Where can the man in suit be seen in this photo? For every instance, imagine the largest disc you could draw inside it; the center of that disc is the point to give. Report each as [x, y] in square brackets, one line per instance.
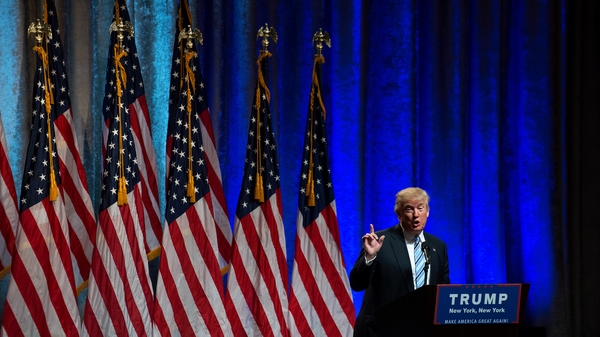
[386, 270]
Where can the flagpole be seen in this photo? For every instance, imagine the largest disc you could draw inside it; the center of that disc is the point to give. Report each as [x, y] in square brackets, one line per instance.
[30, 309]
[319, 37]
[189, 35]
[264, 33]
[319, 275]
[120, 27]
[126, 234]
[257, 287]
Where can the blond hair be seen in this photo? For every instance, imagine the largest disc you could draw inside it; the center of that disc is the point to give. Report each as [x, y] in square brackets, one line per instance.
[410, 193]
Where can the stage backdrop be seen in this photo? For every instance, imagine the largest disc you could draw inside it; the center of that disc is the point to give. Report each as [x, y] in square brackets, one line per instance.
[465, 99]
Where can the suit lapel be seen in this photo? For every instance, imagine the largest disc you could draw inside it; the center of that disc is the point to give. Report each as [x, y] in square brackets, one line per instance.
[401, 253]
[434, 260]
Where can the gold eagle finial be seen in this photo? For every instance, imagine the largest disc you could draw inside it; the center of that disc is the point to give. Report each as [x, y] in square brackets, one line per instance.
[321, 37]
[39, 29]
[264, 33]
[120, 28]
[189, 34]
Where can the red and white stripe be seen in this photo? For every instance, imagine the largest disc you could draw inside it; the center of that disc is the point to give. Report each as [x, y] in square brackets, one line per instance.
[221, 216]
[9, 214]
[146, 161]
[320, 297]
[41, 297]
[215, 181]
[189, 292]
[74, 189]
[257, 283]
[120, 299]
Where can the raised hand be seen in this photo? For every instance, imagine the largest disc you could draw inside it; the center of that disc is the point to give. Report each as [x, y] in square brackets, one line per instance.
[372, 244]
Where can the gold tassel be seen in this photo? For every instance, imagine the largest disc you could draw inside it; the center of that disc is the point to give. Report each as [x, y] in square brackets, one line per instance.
[310, 187]
[53, 187]
[259, 191]
[191, 192]
[122, 194]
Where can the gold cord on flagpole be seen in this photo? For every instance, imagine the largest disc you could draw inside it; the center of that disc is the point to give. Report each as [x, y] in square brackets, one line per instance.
[117, 14]
[265, 33]
[189, 34]
[259, 191]
[40, 30]
[310, 185]
[46, 11]
[320, 37]
[122, 192]
[49, 99]
[181, 30]
[191, 79]
[119, 26]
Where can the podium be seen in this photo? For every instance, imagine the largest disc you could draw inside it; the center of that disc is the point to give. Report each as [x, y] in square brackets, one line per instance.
[427, 311]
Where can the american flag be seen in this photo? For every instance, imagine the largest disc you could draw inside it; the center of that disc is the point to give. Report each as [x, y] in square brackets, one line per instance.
[178, 69]
[120, 299]
[41, 297]
[320, 297]
[258, 282]
[142, 135]
[74, 188]
[9, 214]
[189, 293]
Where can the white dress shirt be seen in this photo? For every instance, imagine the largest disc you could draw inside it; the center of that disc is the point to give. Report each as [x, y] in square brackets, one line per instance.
[410, 246]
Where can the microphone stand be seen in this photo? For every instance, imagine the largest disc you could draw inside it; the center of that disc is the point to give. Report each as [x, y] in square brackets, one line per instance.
[425, 248]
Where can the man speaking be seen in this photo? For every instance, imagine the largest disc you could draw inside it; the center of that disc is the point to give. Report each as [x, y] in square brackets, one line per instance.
[393, 261]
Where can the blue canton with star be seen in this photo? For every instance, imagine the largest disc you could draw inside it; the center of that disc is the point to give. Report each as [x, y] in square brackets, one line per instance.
[268, 153]
[321, 171]
[36, 175]
[135, 85]
[177, 201]
[58, 74]
[178, 73]
[36, 179]
[130, 91]
[110, 174]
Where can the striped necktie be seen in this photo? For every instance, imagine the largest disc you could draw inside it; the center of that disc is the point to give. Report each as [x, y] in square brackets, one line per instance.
[419, 263]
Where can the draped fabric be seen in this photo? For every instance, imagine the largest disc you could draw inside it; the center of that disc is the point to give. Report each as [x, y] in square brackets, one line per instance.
[490, 106]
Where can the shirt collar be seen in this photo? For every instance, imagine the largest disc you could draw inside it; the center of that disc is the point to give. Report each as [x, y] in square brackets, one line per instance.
[410, 239]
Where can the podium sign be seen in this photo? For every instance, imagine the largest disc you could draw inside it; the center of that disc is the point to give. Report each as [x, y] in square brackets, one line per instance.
[478, 304]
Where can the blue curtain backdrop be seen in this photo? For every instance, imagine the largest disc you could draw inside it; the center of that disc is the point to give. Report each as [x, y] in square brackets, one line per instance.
[466, 99]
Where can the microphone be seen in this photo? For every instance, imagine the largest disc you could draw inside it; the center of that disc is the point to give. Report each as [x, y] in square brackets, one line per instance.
[426, 249]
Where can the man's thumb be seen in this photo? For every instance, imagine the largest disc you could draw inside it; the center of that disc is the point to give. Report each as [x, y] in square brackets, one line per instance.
[381, 239]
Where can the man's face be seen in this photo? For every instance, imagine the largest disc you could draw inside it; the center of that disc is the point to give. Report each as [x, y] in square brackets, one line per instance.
[414, 217]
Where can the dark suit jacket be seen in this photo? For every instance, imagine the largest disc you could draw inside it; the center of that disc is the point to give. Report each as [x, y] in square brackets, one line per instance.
[389, 277]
